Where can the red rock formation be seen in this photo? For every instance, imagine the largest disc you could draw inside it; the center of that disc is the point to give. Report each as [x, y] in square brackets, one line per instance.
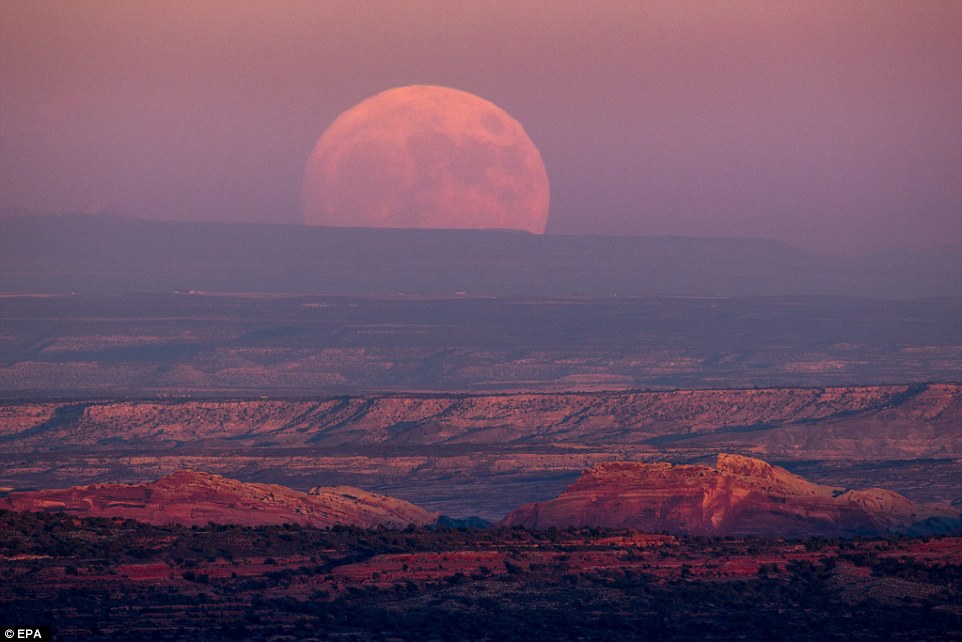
[740, 496]
[191, 498]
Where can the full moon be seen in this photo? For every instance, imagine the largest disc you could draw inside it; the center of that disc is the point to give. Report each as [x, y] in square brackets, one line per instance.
[426, 157]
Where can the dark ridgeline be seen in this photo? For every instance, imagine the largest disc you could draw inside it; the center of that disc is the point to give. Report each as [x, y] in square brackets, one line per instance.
[101, 254]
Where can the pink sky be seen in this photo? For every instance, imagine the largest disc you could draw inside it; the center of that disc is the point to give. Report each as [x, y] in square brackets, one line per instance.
[833, 125]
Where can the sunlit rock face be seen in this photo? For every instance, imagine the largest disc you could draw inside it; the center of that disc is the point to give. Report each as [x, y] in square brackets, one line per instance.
[192, 498]
[739, 496]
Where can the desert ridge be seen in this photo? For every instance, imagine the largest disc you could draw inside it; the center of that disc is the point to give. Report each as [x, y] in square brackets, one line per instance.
[739, 496]
[908, 421]
[191, 498]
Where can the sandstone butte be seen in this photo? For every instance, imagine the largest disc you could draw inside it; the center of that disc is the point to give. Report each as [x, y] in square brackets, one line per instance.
[193, 498]
[739, 496]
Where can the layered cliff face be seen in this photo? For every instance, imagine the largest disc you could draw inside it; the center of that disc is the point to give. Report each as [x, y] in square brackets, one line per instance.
[192, 498]
[739, 496]
[488, 454]
[900, 421]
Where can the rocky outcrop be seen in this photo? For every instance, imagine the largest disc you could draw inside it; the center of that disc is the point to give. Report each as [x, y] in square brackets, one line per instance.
[193, 498]
[739, 496]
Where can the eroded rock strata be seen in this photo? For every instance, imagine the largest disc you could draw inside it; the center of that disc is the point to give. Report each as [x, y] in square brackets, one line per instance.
[738, 496]
[901, 421]
[192, 498]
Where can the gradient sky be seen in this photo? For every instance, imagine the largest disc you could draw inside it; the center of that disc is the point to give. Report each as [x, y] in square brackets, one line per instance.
[833, 125]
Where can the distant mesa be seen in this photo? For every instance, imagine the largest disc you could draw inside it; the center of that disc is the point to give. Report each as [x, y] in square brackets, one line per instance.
[90, 254]
[193, 498]
[739, 496]
[852, 421]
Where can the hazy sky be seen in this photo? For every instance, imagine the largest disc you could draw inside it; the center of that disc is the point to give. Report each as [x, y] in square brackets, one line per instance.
[834, 125]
